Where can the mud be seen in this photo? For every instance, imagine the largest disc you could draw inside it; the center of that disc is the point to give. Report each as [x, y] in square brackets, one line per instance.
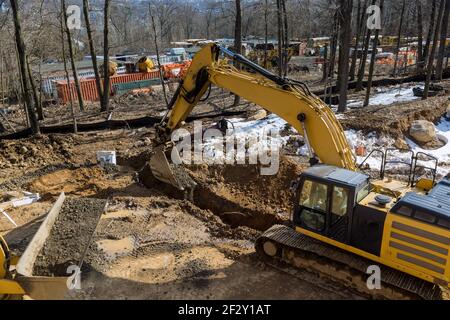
[69, 237]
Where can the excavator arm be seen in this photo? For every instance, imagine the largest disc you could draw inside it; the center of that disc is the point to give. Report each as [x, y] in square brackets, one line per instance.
[289, 99]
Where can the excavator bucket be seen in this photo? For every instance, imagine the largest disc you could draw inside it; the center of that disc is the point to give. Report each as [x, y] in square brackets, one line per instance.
[162, 169]
[42, 287]
[170, 173]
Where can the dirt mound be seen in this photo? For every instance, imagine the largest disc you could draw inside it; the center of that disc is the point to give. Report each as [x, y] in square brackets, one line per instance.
[238, 194]
[394, 120]
[39, 150]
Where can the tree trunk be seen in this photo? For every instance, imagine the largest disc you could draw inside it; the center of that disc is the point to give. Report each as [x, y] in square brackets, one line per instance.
[399, 34]
[238, 40]
[2, 72]
[72, 58]
[285, 39]
[34, 91]
[372, 60]
[325, 64]
[107, 79]
[98, 80]
[266, 32]
[419, 36]
[280, 38]
[433, 51]
[440, 61]
[155, 42]
[333, 45]
[66, 71]
[19, 92]
[346, 8]
[426, 50]
[21, 52]
[362, 67]
[359, 27]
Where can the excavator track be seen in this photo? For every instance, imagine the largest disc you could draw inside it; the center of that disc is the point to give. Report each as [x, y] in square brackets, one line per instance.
[282, 243]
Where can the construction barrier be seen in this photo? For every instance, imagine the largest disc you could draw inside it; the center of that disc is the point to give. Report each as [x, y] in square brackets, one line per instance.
[89, 88]
[175, 70]
[122, 88]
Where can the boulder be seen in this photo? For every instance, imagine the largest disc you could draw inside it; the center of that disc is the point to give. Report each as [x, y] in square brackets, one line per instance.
[448, 112]
[260, 114]
[422, 131]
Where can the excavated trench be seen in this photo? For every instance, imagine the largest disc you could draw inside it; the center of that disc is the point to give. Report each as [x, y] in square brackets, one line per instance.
[238, 194]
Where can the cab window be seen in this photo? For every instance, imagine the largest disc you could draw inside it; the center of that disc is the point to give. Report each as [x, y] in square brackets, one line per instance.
[364, 192]
[313, 202]
[339, 203]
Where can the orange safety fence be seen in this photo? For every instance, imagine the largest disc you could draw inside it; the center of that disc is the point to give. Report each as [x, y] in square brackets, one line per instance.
[175, 70]
[89, 89]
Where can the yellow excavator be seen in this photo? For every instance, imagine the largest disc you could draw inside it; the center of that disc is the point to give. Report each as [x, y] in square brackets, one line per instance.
[345, 225]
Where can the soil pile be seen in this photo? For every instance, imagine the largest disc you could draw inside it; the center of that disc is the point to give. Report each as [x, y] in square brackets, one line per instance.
[39, 150]
[394, 121]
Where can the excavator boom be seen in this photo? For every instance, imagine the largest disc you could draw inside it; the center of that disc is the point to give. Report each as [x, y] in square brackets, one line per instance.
[290, 100]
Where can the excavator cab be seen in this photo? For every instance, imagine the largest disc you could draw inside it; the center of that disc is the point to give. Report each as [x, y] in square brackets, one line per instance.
[326, 200]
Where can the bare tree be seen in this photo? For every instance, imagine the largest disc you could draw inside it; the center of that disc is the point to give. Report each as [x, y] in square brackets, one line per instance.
[72, 56]
[419, 35]
[426, 49]
[399, 35]
[21, 52]
[333, 45]
[280, 38]
[359, 29]
[362, 67]
[266, 31]
[372, 61]
[442, 46]
[238, 38]
[155, 40]
[34, 91]
[431, 56]
[92, 51]
[285, 38]
[345, 14]
[107, 79]
[66, 72]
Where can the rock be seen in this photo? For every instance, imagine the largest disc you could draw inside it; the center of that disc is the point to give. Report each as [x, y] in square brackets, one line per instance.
[23, 150]
[260, 114]
[448, 112]
[13, 160]
[401, 144]
[422, 131]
